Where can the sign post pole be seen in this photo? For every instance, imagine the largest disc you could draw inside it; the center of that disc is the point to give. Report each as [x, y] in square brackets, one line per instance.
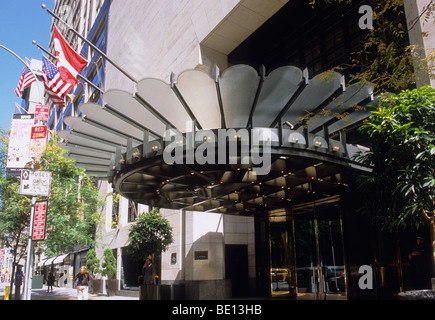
[34, 183]
[29, 261]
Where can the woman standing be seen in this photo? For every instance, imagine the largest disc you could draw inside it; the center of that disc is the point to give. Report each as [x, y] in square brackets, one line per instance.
[82, 279]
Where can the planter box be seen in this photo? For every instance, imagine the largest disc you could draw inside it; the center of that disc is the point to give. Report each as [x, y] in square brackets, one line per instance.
[112, 286]
[149, 292]
[96, 285]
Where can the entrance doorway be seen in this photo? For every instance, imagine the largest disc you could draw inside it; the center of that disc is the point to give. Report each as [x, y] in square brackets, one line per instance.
[320, 266]
[307, 258]
[236, 269]
[130, 272]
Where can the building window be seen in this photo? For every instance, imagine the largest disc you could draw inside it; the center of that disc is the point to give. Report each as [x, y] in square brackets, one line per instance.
[132, 211]
[313, 56]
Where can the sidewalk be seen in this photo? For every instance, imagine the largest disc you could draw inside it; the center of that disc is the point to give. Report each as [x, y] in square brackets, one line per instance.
[62, 293]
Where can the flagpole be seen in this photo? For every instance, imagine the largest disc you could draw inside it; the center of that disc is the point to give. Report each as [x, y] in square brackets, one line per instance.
[41, 96]
[79, 75]
[20, 108]
[90, 44]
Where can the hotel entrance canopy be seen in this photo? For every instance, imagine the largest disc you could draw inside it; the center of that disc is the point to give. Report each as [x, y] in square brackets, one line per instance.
[301, 120]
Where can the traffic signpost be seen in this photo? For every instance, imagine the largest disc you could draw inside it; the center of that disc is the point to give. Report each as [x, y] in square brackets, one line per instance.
[35, 184]
[18, 160]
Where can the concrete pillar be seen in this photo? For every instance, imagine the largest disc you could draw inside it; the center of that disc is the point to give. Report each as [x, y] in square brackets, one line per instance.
[421, 29]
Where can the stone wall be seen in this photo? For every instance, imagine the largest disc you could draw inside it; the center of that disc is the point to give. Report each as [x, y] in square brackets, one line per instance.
[155, 38]
[421, 29]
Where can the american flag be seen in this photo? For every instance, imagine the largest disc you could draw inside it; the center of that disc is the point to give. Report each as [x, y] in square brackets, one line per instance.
[27, 78]
[56, 88]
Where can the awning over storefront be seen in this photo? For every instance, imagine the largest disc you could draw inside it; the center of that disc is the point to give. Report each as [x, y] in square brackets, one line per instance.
[41, 263]
[56, 260]
[60, 259]
[49, 262]
[304, 119]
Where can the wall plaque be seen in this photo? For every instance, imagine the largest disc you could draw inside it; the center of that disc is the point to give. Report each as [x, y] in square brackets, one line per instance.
[201, 255]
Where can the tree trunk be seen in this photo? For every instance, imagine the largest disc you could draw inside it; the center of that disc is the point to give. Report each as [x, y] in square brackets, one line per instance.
[153, 256]
[14, 265]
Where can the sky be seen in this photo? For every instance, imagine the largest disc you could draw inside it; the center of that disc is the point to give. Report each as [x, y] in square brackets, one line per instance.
[21, 22]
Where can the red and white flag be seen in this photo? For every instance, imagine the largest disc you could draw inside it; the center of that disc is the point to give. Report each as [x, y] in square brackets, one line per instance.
[69, 63]
[56, 88]
[27, 78]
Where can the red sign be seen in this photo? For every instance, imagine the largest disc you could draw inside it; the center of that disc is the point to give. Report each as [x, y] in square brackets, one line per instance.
[39, 132]
[39, 221]
[38, 141]
[42, 112]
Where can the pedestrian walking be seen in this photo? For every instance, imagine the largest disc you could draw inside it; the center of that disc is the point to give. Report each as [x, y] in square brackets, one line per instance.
[82, 279]
[147, 271]
[420, 274]
[148, 280]
[50, 282]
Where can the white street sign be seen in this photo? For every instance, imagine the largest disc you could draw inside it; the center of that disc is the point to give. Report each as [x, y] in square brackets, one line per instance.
[35, 183]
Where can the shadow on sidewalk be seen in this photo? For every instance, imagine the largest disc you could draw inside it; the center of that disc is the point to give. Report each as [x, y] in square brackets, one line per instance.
[63, 293]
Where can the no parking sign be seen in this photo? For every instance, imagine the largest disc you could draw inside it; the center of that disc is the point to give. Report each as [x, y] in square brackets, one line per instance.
[39, 220]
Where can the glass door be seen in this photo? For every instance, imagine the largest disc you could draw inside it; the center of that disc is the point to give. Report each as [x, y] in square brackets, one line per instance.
[307, 275]
[320, 271]
[331, 253]
[281, 245]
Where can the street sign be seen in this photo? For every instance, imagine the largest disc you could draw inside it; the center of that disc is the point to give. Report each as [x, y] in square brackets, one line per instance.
[39, 221]
[38, 141]
[35, 183]
[19, 141]
[42, 112]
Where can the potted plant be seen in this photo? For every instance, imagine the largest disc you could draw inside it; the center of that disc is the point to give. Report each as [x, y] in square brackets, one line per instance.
[93, 267]
[109, 270]
[148, 237]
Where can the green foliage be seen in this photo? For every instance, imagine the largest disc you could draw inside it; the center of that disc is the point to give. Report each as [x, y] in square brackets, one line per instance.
[14, 208]
[15, 212]
[109, 264]
[401, 190]
[73, 204]
[386, 59]
[92, 262]
[151, 234]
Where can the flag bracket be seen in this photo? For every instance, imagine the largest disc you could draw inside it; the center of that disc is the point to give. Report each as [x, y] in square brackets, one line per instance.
[90, 44]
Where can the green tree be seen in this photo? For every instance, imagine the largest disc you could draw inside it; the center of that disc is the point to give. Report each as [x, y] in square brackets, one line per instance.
[14, 209]
[401, 190]
[150, 235]
[386, 59]
[109, 264]
[14, 217]
[92, 262]
[73, 204]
